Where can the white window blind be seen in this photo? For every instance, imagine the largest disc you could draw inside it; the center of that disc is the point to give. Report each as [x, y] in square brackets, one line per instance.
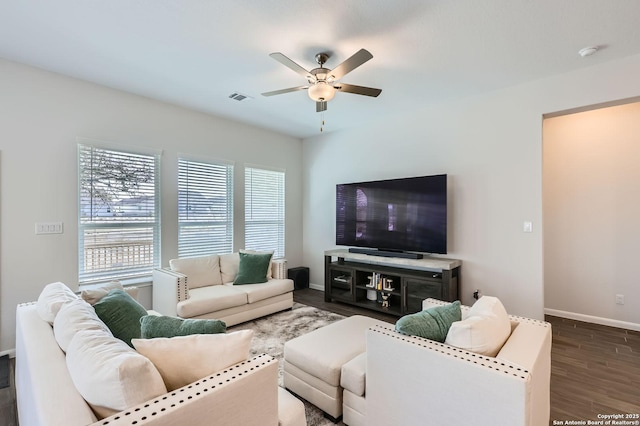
[264, 210]
[205, 208]
[119, 220]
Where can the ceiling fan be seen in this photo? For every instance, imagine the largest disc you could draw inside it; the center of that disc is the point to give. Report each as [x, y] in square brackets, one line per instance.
[323, 82]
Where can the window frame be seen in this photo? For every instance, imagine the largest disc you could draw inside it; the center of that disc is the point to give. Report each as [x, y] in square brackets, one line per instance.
[192, 250]
[133, 272]
[279, 246]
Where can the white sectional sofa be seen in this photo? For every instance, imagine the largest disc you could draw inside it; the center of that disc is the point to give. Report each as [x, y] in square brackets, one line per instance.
[245, 393]
[416, 381]
[202, 287]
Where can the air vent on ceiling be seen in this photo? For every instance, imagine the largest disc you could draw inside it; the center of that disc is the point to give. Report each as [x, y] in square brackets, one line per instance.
[240, 97]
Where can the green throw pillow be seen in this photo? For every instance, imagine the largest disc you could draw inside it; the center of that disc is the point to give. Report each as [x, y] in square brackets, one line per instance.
[121, 313]
[152, 326]
[253, 268]
[432, 323]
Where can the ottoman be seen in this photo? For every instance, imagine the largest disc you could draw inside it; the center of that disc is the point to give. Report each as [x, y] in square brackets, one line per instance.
[313, 362]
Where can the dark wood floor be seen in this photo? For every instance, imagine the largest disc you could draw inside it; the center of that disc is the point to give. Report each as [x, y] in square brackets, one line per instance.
[594, 369]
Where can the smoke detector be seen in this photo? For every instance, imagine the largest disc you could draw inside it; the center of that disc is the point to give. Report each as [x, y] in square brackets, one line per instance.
[587, 51]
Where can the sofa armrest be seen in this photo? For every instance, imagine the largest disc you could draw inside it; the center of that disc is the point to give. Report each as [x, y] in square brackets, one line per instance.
[279, 269]
[410, 379]
[169, 288]
[244, 394]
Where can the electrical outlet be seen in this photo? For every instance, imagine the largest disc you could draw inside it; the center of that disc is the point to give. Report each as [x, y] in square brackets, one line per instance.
[476, 294]
[619, 299]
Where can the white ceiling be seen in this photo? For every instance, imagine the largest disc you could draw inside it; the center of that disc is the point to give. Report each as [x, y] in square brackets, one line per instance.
[195, 53]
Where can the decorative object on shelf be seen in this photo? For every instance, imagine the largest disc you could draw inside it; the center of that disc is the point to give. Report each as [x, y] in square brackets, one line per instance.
[370, 284]
[385, 300]
[387, 284]
[372, 295]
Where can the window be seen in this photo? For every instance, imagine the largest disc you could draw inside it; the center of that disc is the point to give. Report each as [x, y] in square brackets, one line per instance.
[205, 207]
[119, 220]
[264, 210]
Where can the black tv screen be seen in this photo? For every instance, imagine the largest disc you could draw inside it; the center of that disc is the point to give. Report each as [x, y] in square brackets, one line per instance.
[407, 214]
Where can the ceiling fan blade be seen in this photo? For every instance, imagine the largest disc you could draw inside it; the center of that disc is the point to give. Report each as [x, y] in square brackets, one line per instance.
[358, 58]
[321, 106]
[358, 90]
[281, 91]
[291, 65]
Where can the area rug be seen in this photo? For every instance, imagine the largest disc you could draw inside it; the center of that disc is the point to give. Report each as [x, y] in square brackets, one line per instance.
[271, 333]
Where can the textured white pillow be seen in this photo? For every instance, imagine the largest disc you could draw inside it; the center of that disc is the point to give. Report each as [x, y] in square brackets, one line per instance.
[94, 295]
[75, 316]
[200, 271]
[182, 360]
[229, 265]
[269, 273]
[51, 299]
[109, 374]
[485, 329]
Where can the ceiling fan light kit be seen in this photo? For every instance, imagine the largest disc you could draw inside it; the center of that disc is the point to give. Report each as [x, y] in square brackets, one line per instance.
[323, 81]
[321, 91]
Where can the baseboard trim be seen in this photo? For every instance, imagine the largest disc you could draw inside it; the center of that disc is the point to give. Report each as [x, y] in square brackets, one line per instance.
[593, 319]
[10, 352]
[316, 287]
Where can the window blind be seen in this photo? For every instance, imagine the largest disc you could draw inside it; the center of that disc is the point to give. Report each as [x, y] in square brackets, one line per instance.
[205, 208]
[264, 210]
[119, 220]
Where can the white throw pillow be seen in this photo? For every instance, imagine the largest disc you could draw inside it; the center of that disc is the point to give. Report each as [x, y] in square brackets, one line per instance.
[51, 299]
[182, 360]
[485, 329]
[269, 272]
[200, 271]
[109, 374]
[75, 316]
[229, 265]
[94, 295]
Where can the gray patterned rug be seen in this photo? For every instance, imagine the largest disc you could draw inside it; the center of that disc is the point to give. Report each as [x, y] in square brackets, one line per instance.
[271, 333]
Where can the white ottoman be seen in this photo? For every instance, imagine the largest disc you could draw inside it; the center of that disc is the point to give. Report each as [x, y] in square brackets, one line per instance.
[290, 410]
[313, 362]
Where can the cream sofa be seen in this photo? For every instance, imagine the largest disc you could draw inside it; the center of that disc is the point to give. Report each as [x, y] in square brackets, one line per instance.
[202, 287]
[414, 381]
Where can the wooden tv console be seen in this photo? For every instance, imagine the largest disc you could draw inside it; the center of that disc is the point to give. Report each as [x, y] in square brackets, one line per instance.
[348, 278]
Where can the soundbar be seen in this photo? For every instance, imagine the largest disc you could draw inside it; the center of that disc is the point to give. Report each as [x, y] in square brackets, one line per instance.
[386, 253]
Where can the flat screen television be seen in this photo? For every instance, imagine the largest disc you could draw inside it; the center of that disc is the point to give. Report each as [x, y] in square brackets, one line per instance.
[395, 215]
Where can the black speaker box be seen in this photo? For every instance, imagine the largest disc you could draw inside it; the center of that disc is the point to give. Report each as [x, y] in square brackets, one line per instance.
[300, 277]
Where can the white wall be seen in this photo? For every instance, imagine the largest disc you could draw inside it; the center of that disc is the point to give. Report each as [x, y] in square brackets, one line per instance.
[591, 191]
[42, 114]
[491, 148]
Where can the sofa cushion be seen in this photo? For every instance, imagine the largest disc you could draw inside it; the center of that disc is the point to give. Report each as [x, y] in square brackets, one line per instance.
[121, 313]
[353, 375]
[51, 299]
[110, 375]
[229, 264]
[209, 299]
[252, 268]
[432, 323]
[484, 330]
[93, 295]
[200, 271]
[162, 326]
[75, 316]
[257, 292]
[182, 360]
